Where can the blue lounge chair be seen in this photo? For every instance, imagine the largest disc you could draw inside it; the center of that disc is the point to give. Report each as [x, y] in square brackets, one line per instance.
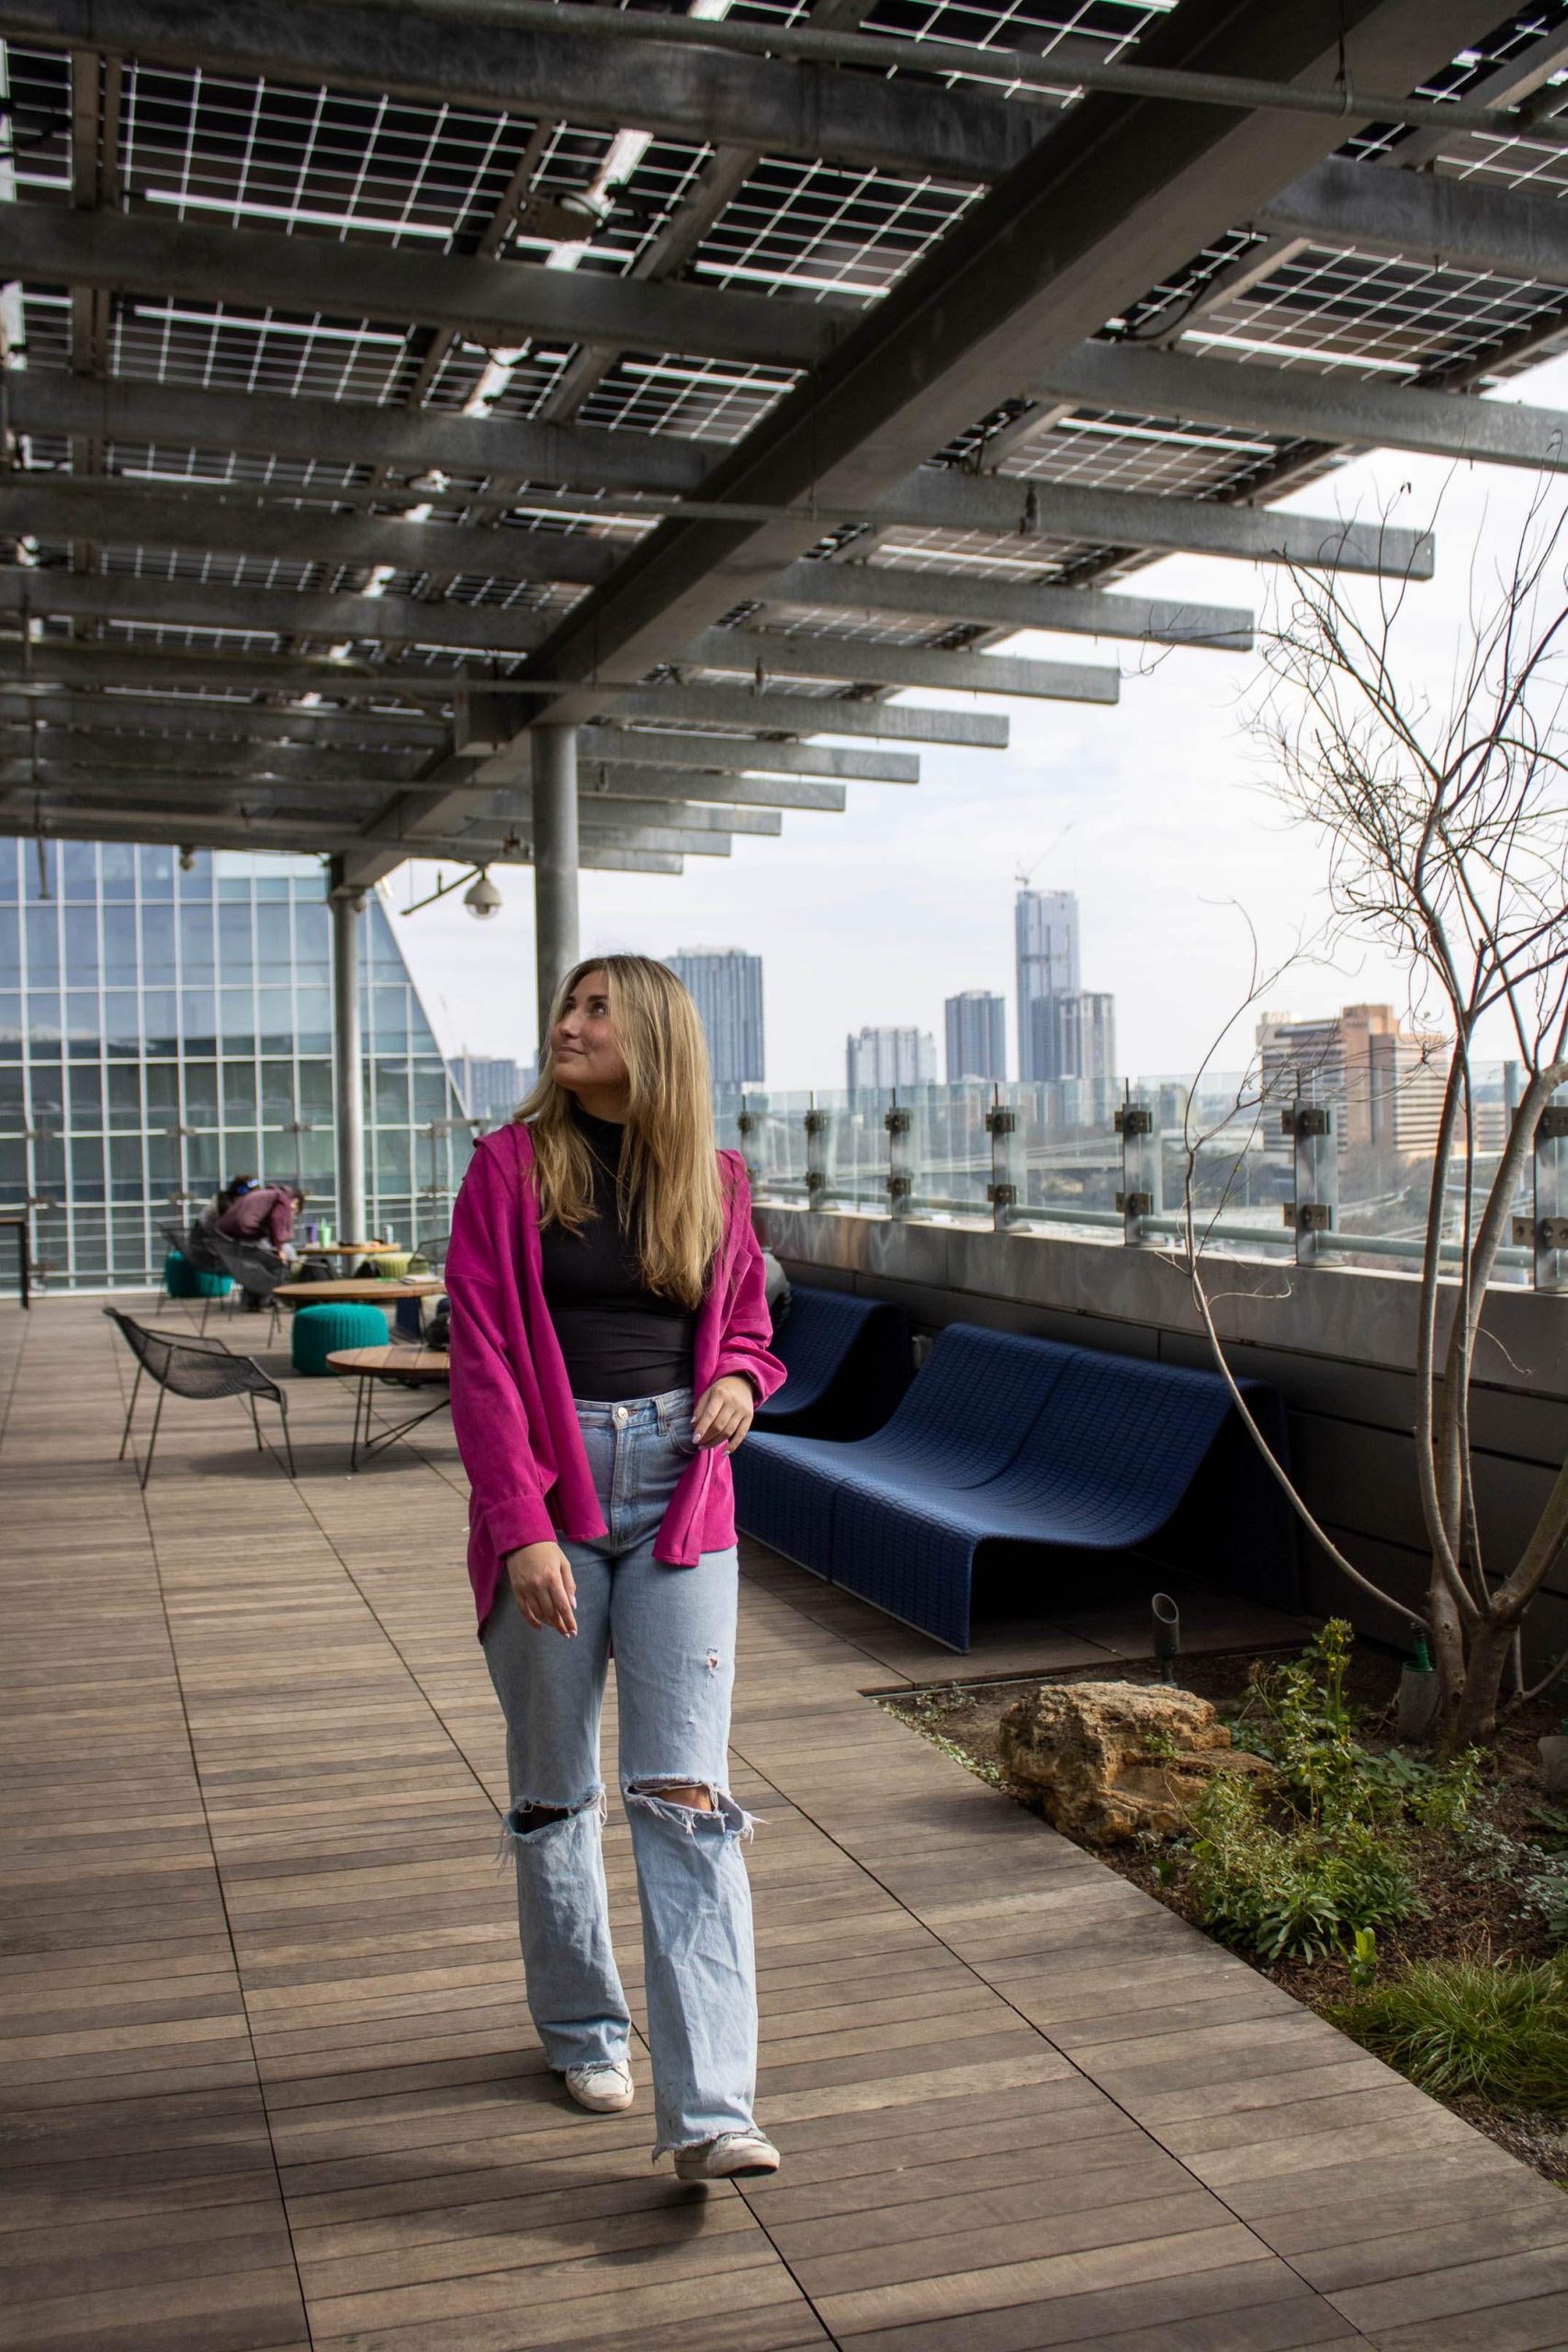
[848, 1364]
[1113, 1453]
[961, 1423]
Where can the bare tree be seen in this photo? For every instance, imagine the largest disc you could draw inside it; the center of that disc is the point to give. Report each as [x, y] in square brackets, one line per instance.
[1447, 828]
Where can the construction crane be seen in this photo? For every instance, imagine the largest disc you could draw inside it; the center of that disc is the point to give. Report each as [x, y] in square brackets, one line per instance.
[1023, 879]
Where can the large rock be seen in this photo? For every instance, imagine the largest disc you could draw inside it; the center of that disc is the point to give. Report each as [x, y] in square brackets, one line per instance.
[1109, 1760]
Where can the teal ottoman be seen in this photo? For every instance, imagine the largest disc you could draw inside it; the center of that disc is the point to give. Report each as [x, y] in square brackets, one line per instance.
[181, 1280]
[320, 1331]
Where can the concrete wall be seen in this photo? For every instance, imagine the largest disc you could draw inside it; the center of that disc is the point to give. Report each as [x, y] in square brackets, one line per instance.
[1340, 1345]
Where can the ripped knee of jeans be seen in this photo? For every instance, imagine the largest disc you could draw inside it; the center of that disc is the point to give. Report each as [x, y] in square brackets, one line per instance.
[672, 1798]
[533, 1818]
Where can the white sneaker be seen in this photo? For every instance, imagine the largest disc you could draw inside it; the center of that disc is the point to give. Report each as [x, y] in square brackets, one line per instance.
[735, 2155]
[604, 2088]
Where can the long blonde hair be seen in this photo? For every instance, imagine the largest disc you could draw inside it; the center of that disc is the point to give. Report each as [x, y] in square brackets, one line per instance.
[668, 1176]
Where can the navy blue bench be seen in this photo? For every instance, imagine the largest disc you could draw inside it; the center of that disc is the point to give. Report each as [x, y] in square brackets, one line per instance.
[1012, 1441]
[848, 1364]
[969, 1411]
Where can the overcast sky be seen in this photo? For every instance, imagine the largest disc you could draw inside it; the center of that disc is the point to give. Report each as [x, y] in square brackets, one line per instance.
[1155, 811]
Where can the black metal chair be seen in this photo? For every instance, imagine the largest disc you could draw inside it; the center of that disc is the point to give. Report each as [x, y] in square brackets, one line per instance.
[434, 1252]
[184, 1364]
[176, 1240]
[197, 1247]
[256, 1272]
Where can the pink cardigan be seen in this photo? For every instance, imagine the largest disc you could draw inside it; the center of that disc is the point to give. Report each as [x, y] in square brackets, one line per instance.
[512, 1402]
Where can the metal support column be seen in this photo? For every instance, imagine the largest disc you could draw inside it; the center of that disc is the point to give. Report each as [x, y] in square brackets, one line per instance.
[555, 930]
[347, 1064]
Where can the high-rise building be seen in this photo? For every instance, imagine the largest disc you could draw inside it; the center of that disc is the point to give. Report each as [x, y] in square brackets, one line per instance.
[1065, 1031]
[881, 1059]
[163, 1028]
[492, 1089]
[1385, 1081]
[1046, 925]
[727, 986]
[977, 1035]
[1081, 1036]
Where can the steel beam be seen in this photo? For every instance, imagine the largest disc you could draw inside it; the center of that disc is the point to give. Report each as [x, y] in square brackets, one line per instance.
[120, 514]
[494, 303]
[1116, 196]
[1016, 507]
[192, 604]
[225, 672]
[1294, 405]
[606, 811]
[1458, 225]
[805, 654]
[803, 714]
[353, 433]
[302, 839]
[142, 718]
[268, 764]
[944, 595]
[715, 754]
[331, 821]
[598, 779]
[617, 796]
[915, 129]
[934, 498]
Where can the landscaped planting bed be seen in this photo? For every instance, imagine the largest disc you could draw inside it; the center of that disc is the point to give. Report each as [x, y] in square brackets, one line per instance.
[1423, 1907]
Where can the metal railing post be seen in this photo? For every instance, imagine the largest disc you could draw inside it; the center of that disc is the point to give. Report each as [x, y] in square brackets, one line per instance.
[1317, 1166]
[746, 1127]
[899, 1181]
[1546, 1233]
[1004, 1191]
[816, 1124]
[1141, 1194]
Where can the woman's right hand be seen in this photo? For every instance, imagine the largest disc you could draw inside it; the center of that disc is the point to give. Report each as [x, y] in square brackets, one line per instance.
[543, 1586]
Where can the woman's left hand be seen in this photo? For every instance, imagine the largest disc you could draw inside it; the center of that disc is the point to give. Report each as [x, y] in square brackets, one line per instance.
[723, 1413]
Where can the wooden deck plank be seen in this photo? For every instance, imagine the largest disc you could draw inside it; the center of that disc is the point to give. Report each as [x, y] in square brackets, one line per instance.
[1021, 2105]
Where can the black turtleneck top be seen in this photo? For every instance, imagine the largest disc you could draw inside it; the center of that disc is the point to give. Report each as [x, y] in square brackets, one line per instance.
[619, 1338]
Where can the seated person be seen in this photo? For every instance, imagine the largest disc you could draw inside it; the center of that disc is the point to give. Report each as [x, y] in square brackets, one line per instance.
[263, 1213]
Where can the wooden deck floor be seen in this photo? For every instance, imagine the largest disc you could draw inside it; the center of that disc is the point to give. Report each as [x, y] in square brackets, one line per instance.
[268, 2078]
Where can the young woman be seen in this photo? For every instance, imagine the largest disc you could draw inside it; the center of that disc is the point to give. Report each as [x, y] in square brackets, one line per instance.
[609, 1347]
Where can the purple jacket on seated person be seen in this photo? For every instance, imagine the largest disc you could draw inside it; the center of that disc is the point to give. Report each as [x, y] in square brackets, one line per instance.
[263, 1213]
[512, 1402]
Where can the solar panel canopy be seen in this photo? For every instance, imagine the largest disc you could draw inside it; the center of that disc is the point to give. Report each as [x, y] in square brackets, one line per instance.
[394, 394]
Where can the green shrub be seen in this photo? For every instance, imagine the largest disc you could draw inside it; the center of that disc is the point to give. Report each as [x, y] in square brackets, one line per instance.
[1297, 1715]
[1296, 1889]
[1471, 2025]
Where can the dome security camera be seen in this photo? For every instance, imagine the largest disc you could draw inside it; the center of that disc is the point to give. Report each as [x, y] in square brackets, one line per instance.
[482, 898]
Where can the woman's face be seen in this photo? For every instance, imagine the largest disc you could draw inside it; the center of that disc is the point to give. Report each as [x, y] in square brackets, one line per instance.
[583, 1052]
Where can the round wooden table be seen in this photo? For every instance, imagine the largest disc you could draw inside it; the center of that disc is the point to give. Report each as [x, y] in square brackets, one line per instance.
[367, 1290]
[421, 1367]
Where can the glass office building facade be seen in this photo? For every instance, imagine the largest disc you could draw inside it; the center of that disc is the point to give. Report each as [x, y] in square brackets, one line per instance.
[162, 1029]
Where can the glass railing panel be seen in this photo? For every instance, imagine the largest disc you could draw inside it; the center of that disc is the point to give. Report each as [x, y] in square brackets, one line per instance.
[1068, 1158]
[1220, 1139]
[855, 1144]
[950, 1149]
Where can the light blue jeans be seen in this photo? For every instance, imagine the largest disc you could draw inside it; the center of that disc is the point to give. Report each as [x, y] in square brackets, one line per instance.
[673, 1636]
